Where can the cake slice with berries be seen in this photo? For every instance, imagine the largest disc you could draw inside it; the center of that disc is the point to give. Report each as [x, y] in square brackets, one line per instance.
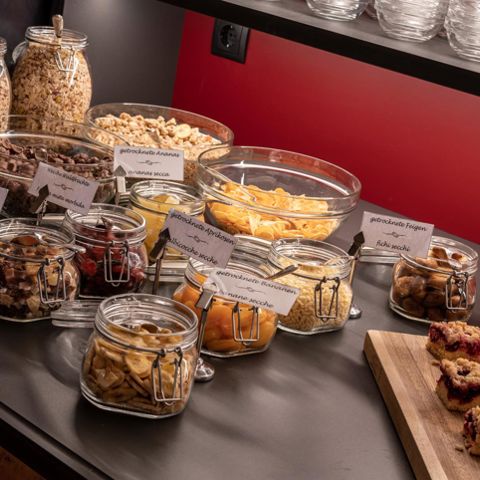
[459, 385]
[454, 340]
[471, 431]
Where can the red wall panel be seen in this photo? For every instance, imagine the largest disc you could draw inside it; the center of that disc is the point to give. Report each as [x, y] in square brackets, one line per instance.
[414, 145]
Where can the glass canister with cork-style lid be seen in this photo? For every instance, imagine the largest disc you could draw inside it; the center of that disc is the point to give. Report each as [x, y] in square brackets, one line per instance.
[141, 357]
[323, 276]
[51, 77]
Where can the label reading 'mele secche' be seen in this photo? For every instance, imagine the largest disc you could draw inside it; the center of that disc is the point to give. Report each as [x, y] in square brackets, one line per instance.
[149, 162]
[245, 288]
[396, 234]
[65, 189]
[199, 240]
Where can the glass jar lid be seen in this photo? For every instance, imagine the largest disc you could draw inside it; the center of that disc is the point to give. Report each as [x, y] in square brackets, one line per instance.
[46, 36]
[104, 224]
[22, 239]
[446, 255]
[315, 259]
[159, 196]
[3, 46]
[147, 322]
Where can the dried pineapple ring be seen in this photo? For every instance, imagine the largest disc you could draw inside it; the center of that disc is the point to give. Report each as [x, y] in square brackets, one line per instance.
[183, 131]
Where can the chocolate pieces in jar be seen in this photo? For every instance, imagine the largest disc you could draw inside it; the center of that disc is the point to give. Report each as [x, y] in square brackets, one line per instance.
[36, 270]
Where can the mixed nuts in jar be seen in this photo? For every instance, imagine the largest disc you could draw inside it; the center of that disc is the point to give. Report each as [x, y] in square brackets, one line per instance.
[441, 287]
[141, 357]
[37, 272]
[115, 257]
[323, 278]
[231, 328]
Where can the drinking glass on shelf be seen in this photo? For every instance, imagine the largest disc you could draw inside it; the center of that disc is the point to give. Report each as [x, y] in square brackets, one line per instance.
[337, 9]
[463, 28]
[412, 20]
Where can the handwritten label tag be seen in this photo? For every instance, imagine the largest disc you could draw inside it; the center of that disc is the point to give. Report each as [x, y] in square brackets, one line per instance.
[396, 234]
[3, 196]
[66, 189]
[245, 288]
[149, 162]
[198, 240]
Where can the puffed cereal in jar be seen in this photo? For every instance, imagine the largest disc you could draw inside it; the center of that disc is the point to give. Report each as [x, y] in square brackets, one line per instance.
[51, 77]
[141, 358]
[323, 277]
[231, 328]
[5, 87]
[153, 199]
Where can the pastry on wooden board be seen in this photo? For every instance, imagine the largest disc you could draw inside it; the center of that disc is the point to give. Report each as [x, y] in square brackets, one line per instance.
[471, 431]
[454, 340]
[459, 385]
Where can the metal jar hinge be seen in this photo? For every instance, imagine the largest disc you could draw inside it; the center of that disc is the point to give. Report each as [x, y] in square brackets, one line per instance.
[70, 64]
[457, 286]
[60, 294]
[159, 394]
[254, 334]
[124, 275]
[319, 301]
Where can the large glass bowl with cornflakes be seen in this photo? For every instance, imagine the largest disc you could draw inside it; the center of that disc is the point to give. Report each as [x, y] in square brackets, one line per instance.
[274, 194]
[154, 126]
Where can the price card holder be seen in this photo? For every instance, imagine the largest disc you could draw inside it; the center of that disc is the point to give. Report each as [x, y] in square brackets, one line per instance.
[156, 255]
[354, 251]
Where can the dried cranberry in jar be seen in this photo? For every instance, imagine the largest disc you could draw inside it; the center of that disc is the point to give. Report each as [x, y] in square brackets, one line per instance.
[115, 257]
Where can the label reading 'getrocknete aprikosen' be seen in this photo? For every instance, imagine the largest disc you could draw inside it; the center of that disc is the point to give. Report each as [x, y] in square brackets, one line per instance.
[149, 162]
[245, 288]
[396, 234]
[65, 189]
[199, 240]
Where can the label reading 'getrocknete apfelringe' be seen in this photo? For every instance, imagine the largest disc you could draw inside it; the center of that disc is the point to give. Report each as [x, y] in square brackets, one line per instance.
[149, 162]
[65, 189]
[396, 234]
[245, 288]
[199, 240]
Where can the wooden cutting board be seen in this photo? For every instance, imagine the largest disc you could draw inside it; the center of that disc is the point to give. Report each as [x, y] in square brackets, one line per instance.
[429, 432]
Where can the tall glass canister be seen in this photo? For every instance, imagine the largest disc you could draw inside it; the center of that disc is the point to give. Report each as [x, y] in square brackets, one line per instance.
[52, 77]
[5, 87]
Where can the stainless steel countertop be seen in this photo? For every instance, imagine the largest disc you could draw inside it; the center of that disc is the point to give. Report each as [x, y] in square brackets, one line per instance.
[308, 408]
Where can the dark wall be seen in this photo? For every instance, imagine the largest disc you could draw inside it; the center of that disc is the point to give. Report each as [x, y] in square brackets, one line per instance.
[17, 15]
[133, 50]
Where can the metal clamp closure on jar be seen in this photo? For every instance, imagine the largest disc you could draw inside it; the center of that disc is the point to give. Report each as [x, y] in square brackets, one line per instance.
[458, 280]
[319, 299]
[61, 291]
[124, 275]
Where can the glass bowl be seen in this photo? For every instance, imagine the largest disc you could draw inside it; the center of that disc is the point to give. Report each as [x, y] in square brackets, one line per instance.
[273, 194]
[155, 126]
[73, 147]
